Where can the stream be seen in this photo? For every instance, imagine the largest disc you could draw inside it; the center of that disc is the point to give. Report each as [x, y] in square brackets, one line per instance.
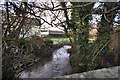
[58, 66]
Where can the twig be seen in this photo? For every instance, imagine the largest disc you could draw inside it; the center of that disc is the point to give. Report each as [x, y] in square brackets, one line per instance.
[105, 10]
[86, 16]
[115, 8]
[101, 50]
[63, 8]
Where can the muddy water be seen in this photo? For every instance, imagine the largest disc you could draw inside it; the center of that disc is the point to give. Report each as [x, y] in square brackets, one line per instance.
[58, 66]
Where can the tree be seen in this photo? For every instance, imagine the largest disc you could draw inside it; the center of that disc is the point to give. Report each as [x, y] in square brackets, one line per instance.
[89, 54]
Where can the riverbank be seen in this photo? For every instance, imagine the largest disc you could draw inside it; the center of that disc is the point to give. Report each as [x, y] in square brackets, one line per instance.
[59, 65]
[44, 59]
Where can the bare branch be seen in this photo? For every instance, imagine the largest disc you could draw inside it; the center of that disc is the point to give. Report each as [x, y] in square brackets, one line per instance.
[101, 50]
[105, 10]
[86, 16]
[115, 8]
[31, 14]
[52, 4]
[63, 8]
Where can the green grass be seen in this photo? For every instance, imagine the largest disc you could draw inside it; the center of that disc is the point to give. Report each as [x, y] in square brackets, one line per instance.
[91, 40]
[60, 40]
[65, 40]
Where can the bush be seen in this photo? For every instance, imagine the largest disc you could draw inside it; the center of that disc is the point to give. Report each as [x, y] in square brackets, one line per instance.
[42, 51]
[23, 53]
